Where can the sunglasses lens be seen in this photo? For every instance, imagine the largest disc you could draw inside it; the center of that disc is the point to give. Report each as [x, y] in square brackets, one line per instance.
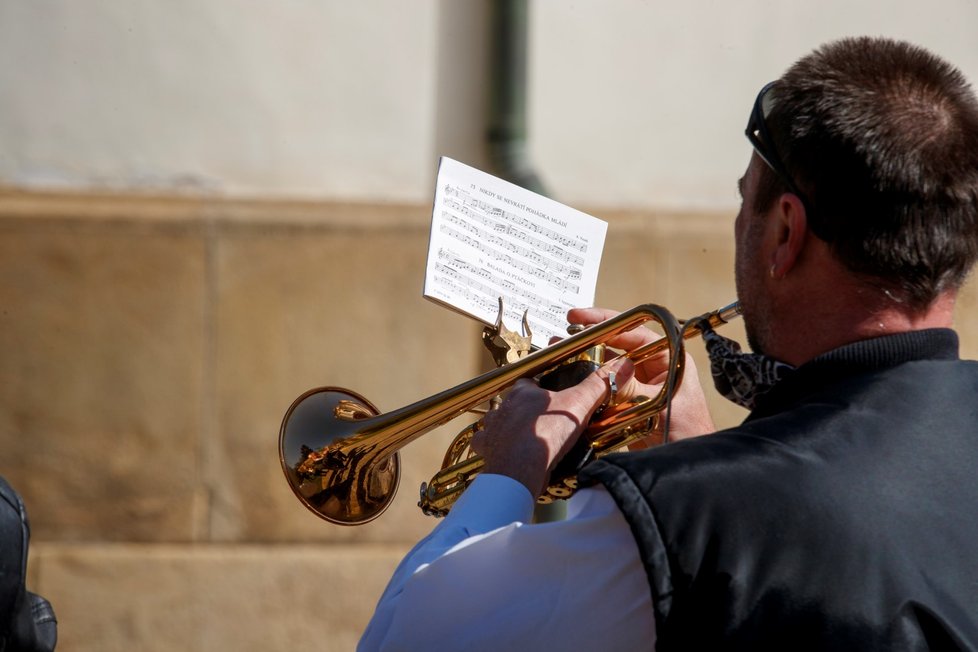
[759, 137]
[767, 102]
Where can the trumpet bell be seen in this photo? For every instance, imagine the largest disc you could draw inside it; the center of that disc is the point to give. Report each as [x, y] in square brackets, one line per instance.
[331, 485]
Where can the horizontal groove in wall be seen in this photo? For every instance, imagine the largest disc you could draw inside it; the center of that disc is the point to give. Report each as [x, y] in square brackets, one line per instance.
[154, 212]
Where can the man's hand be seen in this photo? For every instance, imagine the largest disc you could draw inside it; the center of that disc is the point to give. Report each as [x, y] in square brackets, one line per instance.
[689, 415]
[534, 428]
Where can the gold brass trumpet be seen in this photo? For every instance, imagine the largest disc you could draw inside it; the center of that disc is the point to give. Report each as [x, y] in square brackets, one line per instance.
[340, 454]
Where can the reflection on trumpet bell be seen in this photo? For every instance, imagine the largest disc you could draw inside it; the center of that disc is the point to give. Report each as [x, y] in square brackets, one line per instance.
[329, 479]
[340, 455]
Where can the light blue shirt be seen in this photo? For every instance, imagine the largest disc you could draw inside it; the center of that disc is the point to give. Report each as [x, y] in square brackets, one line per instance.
[487, 579]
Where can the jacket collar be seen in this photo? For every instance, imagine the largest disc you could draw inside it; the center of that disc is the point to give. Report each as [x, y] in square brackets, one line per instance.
[855, 359]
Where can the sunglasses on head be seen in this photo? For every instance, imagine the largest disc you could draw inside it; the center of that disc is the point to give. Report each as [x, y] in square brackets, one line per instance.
[760, 139]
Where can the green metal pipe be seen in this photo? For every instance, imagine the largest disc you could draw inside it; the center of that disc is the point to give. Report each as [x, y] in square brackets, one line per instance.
[506, 135]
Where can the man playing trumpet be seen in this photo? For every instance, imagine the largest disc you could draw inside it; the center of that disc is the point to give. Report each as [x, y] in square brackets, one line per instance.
[841, 513]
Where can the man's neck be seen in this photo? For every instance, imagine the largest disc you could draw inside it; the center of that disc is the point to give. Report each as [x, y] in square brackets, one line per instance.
[837, 317]
[891, 319]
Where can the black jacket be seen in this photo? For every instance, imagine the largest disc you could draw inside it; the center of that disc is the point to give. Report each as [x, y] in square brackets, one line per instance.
[27, 622]
[841, 515]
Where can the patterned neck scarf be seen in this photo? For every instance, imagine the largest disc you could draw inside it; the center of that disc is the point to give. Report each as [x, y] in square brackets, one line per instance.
[741, 377]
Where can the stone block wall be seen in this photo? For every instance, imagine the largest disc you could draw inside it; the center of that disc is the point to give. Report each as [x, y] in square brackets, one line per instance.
[148, 350]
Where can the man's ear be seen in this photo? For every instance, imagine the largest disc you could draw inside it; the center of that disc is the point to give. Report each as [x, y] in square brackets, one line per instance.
[791, 229]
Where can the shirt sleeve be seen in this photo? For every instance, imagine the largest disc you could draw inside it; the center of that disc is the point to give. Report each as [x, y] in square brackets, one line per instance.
[486, 579]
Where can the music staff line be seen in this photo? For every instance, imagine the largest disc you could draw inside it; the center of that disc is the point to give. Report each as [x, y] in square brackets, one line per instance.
[474, 270]
[514, 231]
[486, 309]
[489, 211]
[498, 227]
[571, 266]
[486, 296]
[561, 284]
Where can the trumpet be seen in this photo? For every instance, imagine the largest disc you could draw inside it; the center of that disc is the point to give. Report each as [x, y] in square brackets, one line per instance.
[340, 454]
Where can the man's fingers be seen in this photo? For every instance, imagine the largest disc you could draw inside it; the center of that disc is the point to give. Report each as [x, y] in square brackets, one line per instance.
[608, 384]
[626, 341]
[633, 339]
[589, 315]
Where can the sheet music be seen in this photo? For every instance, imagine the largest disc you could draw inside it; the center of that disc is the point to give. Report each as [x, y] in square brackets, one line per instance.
[491, 238]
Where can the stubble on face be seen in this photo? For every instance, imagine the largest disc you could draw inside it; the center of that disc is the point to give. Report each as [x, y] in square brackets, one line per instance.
[749, 268]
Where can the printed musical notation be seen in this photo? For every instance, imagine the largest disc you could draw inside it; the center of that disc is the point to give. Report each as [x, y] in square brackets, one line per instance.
[558, 280]
[539, 314]
[497, 218]
[492, 239]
